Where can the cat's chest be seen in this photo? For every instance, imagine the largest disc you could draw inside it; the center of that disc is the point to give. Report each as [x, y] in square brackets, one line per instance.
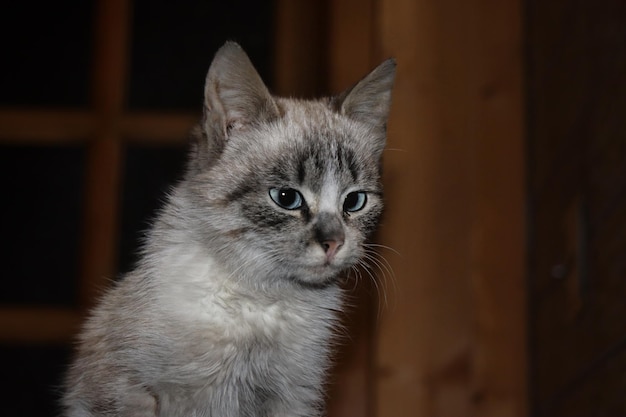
[250, 343]
[238, 317]
[198, 295]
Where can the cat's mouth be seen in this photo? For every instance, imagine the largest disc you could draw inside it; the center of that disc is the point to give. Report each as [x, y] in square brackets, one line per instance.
[320, 274]
[321, 277]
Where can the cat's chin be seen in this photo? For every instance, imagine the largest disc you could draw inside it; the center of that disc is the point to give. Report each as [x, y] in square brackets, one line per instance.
[317, 282]
[317, 276]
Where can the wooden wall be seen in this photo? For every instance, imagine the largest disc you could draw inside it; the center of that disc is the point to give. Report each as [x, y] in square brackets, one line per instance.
[577, 136]
[453, 340]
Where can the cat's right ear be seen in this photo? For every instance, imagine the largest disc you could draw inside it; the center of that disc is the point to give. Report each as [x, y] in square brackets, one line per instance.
[235, 96]
[370, 99]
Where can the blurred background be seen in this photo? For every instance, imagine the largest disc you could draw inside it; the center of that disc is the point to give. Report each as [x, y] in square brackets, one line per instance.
[505, 181]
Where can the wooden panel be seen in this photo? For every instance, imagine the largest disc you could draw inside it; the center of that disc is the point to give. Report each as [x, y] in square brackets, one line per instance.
[577, 95]
[424, 336]
[45, 126]
[101, 218]
[300, 48]
[453, 341]
[499, 223]
[37, 325]
[104, 160]
[351, 46]
[155, 128]
[70, 126]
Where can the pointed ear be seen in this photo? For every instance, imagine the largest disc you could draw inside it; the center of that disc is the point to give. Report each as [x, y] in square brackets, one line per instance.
[234, 94]
[370, 99]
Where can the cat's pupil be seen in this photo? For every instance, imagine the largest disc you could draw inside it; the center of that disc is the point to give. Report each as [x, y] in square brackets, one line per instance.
[354, 201]
[287, 198]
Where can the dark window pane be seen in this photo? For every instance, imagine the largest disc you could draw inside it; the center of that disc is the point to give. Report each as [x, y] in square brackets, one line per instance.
[40, 220]
[31, 380]
[46, 53]
[149, 173]
[173, 44]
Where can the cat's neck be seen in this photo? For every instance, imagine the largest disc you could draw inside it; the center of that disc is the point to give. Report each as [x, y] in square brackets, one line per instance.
[178, 259]
[194, 287]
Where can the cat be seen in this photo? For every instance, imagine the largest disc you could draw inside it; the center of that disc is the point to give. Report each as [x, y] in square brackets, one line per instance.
[231, 309]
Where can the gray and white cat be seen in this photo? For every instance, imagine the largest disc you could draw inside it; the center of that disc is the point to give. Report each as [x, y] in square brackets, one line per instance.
[230, 311]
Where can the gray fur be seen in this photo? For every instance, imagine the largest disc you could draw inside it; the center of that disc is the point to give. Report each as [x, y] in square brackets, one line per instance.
[230, 312]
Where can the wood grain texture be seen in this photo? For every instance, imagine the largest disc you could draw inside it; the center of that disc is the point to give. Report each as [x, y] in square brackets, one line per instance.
[31, 126]
[20, 326]
[104, 160]
[454, 341]
[300, 45]
[577, 135]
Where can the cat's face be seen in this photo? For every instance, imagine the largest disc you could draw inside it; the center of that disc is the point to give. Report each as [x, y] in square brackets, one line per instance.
[296, 197]
[288, 189]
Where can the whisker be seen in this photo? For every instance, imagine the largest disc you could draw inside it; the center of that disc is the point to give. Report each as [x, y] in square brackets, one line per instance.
[380, 286]
[383, 263]
[380, 271]
[357, 277]
[395, 150]
[379, 290]
[378, 245]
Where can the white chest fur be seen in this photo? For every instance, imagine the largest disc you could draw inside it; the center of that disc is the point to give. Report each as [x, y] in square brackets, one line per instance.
[227, 337]
[196, 292]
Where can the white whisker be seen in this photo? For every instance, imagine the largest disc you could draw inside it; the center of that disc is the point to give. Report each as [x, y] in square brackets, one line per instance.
[379, 270]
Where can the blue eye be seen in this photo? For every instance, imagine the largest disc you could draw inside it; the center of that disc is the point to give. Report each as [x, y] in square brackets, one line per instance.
[287, 198]
[354, 201]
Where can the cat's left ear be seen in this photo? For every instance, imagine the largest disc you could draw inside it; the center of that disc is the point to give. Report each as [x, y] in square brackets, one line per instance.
[234, 94]
[369, 100]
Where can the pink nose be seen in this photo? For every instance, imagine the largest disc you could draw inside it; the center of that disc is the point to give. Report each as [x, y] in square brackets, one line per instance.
[331, 247]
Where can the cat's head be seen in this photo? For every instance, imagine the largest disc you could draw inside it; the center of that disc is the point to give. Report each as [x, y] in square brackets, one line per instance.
[287, 189]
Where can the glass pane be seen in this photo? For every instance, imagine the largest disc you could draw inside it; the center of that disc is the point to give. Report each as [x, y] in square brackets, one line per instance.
[46, 53]
[40, 221]
[173, 44]
[31, 380]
